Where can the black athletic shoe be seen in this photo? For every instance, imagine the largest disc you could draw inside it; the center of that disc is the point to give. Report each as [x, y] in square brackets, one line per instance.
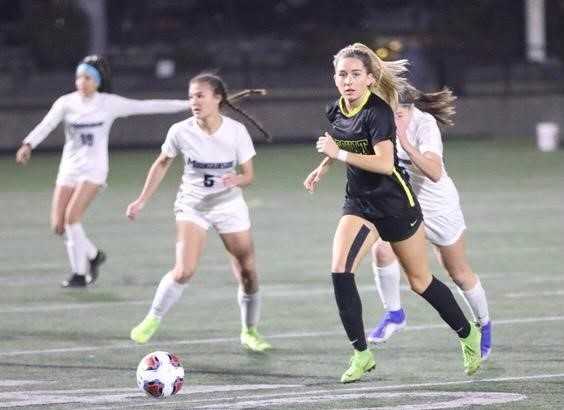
[94, 265]
[75, 281]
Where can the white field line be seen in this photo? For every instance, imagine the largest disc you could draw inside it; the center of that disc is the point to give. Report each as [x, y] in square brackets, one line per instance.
[263, 398]
[268, 291]
[68, 306]
[451, 400]
[556, 292]
[297, 335]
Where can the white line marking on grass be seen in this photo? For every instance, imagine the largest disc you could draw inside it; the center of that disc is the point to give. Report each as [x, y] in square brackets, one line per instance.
[106, 396]
[29, 267]
[131, 345]
[557, 292]
[15, 383]
[68, 306]
[460, 399]
[217, 295]
[262, 400]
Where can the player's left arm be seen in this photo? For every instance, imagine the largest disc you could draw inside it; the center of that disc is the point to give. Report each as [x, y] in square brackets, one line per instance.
[243, 178]
[426, 157]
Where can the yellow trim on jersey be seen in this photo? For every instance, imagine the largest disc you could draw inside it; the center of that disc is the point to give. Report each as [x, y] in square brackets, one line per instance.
[405, 188]
[355, 110]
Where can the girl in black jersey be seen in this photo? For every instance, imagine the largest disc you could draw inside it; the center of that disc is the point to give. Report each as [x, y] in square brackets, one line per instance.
[379, 202]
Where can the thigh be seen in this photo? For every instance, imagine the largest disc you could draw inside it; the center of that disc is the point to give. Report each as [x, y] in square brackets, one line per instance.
[61, 198]
[456, 264]
[352, 241]
[238, 244]
[412, 255]
[190, 242]
[81, 199]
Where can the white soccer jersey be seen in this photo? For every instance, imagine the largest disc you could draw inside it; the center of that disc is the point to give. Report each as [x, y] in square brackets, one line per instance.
[87, 125]
[208, 157]
[435, 197]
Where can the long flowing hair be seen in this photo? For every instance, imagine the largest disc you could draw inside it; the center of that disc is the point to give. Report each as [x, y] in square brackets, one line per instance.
[439, 104]
[218, 86]
[389, 75]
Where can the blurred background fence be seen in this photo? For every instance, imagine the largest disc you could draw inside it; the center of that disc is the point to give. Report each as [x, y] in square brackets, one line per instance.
[503, 58]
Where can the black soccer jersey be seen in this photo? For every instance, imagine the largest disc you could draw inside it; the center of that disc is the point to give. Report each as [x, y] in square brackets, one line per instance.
[357, 132]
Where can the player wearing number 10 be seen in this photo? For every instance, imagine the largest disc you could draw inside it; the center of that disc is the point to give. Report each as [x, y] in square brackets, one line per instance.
[213, 146]
[88, 114]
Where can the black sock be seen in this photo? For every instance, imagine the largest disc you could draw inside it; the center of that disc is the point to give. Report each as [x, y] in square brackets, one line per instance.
[442, 299]
[350, 308]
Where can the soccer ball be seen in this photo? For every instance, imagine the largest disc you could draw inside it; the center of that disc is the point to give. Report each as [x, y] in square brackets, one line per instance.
[160, 374]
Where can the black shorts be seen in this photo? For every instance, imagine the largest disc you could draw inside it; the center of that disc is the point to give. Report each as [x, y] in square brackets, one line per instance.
[390, 228]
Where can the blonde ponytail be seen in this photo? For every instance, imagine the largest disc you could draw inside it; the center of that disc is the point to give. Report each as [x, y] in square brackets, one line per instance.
[389, 75]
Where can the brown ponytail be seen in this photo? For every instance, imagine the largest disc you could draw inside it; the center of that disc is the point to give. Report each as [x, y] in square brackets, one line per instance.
[439, 104]
[219, 88]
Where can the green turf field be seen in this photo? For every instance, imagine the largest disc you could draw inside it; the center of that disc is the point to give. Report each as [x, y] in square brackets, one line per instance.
[68, 349]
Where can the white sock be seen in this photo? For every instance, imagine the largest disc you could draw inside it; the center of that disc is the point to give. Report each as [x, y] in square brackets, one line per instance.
[76, 248]
[250, 307]
[70, 251]
[476, 300]
[91, 250]
[387, 280]
[89, 247]
[167, 294]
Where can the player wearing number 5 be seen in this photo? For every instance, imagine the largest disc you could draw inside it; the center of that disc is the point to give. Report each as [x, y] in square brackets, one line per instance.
[88, 114]
[213, 146]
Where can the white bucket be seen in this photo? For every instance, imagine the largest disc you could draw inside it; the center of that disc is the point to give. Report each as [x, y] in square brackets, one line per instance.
[547, 136]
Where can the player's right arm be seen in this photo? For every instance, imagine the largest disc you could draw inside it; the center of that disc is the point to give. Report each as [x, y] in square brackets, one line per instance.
[41, 131]
[314, 176]
[154, 178]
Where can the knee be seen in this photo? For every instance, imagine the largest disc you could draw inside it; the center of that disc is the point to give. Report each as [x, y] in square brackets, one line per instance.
[182, 275]
[384, 254]
[246, 262]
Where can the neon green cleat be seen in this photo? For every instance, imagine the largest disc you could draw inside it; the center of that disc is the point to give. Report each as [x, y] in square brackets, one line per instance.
[471, 351]
[361, 362]
[251, 339]
[144, 330]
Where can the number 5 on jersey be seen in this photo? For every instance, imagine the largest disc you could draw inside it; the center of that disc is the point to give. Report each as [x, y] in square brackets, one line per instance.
[208, 180]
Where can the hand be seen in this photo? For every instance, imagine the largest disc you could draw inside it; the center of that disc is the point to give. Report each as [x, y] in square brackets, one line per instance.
[230, 180]
[327, 146]
[24, 154]
[134, 208]
[401, 131]
[312, 179]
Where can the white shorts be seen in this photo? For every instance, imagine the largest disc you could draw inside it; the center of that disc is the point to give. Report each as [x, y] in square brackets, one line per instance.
[72, 179]
[444, 230]
[226, 216]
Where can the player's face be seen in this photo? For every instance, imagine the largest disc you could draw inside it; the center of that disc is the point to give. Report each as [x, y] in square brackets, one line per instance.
[85, 85]
[402, 115]
[352, 79]
[203, 100]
